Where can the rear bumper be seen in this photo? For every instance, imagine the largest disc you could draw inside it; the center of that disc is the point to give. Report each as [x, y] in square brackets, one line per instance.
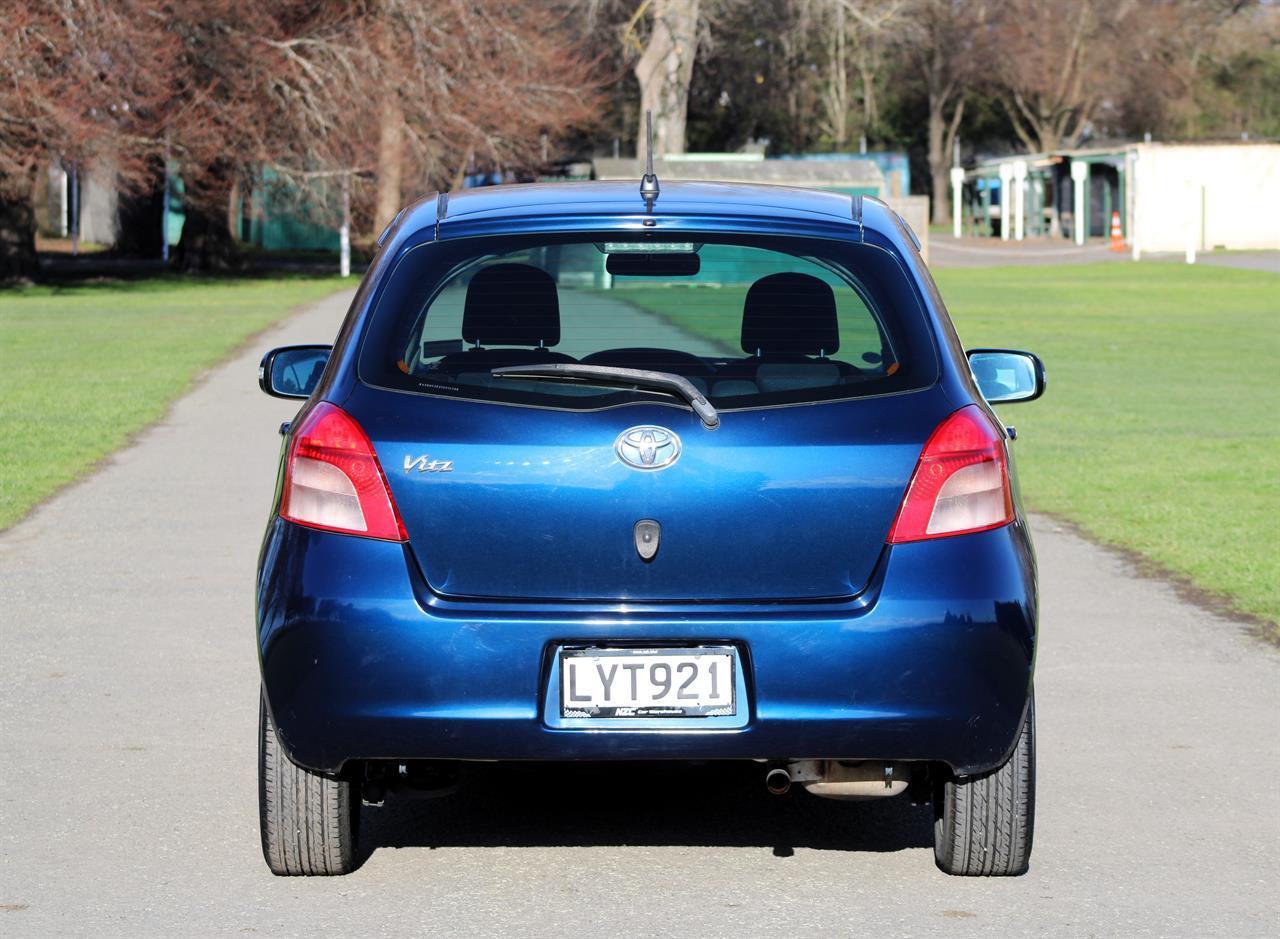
[933, 662]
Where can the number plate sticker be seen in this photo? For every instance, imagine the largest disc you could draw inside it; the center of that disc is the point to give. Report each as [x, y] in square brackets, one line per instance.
[628, 683]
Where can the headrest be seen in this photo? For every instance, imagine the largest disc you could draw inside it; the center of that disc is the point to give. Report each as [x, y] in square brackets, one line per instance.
[511, 305]
[792, 314]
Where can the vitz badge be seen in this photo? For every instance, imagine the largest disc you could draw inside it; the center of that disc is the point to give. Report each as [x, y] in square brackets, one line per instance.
[424, 464]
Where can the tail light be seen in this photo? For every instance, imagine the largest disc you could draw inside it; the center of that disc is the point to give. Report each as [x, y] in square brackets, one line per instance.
[961, 483]
[333, 480]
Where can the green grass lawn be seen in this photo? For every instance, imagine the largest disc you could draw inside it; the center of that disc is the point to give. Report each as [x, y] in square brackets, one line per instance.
[1160, 431]
[82, 368]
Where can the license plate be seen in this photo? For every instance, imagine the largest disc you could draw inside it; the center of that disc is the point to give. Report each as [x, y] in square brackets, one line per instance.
[626, 683]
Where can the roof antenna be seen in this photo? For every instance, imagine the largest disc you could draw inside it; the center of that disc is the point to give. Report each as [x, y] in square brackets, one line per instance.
[649, 182]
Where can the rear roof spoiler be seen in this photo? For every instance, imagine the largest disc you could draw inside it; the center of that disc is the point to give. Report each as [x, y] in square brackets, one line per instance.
[442, 209]
[390, 225]
[893, 213]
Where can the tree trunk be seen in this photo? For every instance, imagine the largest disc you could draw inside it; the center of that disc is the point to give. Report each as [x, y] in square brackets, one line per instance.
[867, 70]
[664, 72]
[836, 99]
[18, 259]
[942, 139]
[207, 243]
[390, 165]
[939, 164]
[139, 221]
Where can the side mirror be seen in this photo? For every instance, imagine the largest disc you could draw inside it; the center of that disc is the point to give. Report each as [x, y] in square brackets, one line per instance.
[1005, 376]
[292, 371]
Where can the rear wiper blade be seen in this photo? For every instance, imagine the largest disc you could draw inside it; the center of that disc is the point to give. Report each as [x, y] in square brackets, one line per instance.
[622, 378]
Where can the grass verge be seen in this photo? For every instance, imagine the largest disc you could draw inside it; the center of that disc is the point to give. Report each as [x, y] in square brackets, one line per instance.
[82, 368]
[1160, 431]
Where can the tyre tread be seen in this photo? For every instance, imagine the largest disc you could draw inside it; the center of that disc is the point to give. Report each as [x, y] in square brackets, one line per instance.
[308, 821]
[984, 824]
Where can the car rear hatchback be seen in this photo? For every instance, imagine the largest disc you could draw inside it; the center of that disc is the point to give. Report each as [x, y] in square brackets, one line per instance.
[587, 479]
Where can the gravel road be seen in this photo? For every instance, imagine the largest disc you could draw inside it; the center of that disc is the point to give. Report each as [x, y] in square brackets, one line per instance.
[128, 707]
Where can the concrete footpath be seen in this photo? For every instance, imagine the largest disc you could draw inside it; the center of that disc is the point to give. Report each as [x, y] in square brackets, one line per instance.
[128, 801]
[945, 251]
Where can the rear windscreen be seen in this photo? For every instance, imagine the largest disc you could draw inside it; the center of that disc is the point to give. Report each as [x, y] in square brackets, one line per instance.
[785, 321]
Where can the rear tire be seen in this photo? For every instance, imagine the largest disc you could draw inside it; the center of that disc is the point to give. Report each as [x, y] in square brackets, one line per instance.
[308, 821]
[983, 825]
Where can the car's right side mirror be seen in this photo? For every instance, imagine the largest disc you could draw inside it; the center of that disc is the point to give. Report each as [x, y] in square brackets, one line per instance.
[292, 371]
[1005, 376]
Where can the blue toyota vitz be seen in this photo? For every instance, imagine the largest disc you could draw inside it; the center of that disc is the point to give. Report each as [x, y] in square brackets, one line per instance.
[696, 472]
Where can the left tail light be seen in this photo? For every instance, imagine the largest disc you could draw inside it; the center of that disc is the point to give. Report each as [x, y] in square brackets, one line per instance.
[961, 482]
[333, 480]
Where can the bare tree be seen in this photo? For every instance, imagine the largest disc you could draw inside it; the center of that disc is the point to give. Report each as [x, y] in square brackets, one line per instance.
[855, 35]
[665, 68]
[404, 92]
[1057, 63]
[1067, 65]
[272, 86]
[1176, 49]
[945, 44]
[467, 83]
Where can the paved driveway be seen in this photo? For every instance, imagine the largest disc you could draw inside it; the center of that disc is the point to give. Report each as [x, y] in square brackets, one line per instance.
[128, 705]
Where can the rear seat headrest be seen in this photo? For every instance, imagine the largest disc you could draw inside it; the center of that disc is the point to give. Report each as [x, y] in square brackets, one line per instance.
[512, 305]
[791, 314]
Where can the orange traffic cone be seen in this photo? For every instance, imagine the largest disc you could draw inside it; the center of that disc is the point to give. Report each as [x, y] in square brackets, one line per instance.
[1117, 239]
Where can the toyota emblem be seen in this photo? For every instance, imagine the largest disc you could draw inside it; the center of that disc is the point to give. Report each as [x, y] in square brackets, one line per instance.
[647, 447]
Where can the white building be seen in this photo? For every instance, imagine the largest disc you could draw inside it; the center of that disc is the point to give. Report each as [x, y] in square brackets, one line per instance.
[1205, 196]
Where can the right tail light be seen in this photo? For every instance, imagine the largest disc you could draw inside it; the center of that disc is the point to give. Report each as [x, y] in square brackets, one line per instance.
[960, 484]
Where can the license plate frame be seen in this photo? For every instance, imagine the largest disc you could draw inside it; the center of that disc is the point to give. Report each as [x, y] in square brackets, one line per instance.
[571, 708]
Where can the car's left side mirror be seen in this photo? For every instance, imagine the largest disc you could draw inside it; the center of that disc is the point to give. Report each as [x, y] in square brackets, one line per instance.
[292, 371]
[1005, 376]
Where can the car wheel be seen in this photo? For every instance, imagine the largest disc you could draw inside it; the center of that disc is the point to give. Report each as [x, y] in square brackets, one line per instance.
[308, 820]
[983, 824]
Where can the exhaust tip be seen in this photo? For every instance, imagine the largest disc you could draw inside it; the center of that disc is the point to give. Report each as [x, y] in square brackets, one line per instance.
[777, 781]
